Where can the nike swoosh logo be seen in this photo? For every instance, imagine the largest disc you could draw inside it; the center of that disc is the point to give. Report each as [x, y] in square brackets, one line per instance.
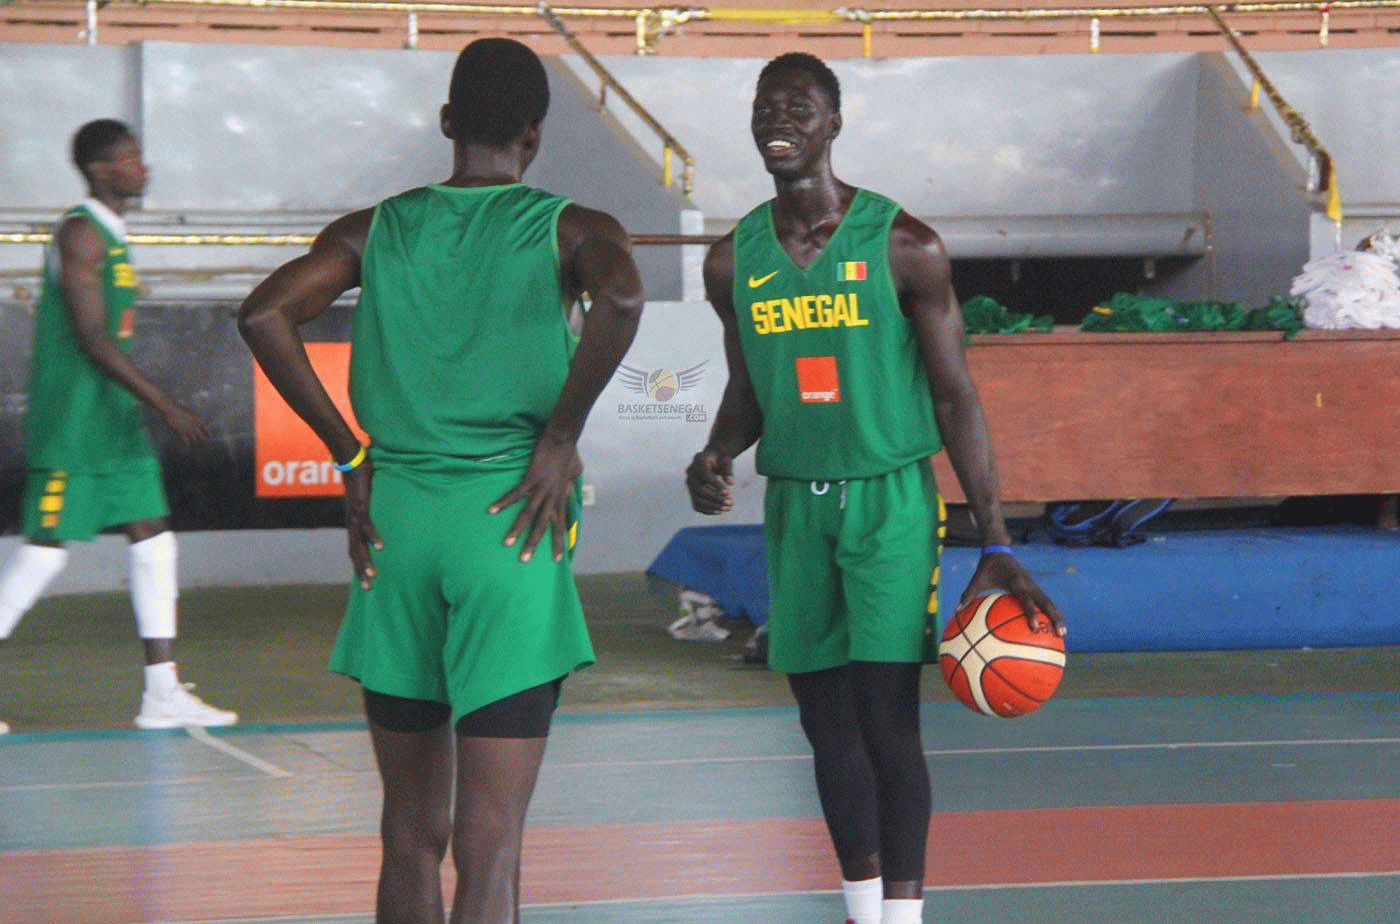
[755, 283]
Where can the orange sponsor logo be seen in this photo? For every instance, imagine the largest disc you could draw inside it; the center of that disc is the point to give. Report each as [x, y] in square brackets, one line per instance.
[817, 380]
[290, 459]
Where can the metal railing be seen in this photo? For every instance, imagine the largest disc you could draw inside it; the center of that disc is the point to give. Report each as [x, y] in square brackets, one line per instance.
[301, 240]
[608, 82]
[655, 22]
[1325, 168]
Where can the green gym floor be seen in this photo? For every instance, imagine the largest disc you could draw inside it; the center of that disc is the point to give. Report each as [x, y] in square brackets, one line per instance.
[1221, 787]
[74, 662]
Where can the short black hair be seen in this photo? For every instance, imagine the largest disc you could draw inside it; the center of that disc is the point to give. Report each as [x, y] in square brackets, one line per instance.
[95, 140]
[801, 61]
[499, 88]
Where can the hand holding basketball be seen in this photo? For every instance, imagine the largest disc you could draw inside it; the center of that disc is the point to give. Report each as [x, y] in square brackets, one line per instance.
[995, 662]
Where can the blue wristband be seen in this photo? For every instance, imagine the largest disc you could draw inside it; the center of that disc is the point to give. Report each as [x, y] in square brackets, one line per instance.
[997, 550]
[354, 462]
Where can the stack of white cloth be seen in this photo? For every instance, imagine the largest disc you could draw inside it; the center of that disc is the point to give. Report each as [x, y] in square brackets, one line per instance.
[1353, 289]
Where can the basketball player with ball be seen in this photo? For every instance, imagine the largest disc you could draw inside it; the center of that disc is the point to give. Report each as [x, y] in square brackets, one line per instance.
[844, 344]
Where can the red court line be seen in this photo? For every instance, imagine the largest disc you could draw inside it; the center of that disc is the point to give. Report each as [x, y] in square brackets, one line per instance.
[336, 874]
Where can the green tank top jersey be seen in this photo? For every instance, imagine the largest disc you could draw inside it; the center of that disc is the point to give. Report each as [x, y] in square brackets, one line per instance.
[834, 362]
[79, 419]
[461, 340]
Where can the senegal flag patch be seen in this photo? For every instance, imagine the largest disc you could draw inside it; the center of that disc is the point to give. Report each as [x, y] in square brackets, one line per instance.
[852, 271]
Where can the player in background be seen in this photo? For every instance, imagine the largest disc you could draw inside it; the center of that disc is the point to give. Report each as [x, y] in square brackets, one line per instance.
[90, 464]
[844, 344]
[474, 390]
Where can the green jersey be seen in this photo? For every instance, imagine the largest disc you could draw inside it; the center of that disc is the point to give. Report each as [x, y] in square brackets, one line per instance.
[834, 362]
[461, 338]
[79, 419]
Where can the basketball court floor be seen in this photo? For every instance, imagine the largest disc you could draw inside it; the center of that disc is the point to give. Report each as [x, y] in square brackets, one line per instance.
[1233, 809]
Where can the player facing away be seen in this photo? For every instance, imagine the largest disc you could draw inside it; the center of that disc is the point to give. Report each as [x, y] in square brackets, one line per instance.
[90, 462]
[845, 351]
[467, 376]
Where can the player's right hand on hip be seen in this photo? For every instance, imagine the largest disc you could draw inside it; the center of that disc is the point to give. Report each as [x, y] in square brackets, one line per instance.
[363, 537]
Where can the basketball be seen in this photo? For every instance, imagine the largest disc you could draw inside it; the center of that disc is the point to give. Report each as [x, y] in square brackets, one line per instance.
[995, 663]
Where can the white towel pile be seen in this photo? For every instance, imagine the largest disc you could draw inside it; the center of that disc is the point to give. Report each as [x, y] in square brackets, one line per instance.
[1352, 289]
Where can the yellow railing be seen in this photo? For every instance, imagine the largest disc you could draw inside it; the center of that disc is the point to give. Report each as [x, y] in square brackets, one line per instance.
[608, 82]
[301, 240]
[653, 22]
[1302, 132]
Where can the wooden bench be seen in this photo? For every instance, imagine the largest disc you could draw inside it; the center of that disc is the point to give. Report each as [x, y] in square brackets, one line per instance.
[1077, 415]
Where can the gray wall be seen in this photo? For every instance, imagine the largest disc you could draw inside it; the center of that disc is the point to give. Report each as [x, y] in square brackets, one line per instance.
[1035, 135]
[1350, 98]
[242, 131]
[1252, 187]
[48, 91]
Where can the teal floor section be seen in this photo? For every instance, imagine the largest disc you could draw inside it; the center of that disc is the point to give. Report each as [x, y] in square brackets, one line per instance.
[1314, 900]
[75, 790]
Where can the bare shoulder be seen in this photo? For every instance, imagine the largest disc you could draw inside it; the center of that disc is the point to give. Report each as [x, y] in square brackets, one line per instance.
[908, 232]
[918, 260]
[719, 264]
[348, 232]
[80, 233]
[578, 223]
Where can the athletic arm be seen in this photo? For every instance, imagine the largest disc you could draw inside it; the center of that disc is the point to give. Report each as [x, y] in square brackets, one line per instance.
[82, 251]
[923, 280]
[269, 318]
[739, 421]
[595, 257]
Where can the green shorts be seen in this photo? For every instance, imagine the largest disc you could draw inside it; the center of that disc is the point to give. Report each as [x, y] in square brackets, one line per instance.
[853, 569]
[454, 615]
[59, 506]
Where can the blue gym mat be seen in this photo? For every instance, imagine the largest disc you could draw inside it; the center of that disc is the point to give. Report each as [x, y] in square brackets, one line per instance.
[1217, 589]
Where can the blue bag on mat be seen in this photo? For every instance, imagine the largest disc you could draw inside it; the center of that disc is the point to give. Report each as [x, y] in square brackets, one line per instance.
[1116, 523]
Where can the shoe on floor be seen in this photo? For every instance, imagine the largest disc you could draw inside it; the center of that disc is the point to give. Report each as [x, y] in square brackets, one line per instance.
[4, 729]
[180, 708]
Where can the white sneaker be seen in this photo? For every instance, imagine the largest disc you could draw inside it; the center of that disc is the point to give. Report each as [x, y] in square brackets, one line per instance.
[4, 729]
[180, 708]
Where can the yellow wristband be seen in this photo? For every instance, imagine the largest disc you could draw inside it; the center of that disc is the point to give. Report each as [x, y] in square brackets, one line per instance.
[354, 463]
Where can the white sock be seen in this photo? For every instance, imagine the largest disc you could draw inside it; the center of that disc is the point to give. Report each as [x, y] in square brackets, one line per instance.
[153, 586]
[863, 899]
[903, 911]
[28, 573]
[161, 679]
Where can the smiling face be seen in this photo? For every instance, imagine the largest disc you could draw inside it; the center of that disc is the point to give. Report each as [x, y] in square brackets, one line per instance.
[794, 122]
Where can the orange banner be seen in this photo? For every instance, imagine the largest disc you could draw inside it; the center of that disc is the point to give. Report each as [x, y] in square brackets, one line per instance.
[291, 460]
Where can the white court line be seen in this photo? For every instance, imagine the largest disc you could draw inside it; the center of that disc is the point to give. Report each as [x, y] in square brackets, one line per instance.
[257, 763]
[1171, 880]
[1037, 749]
[119, 784]
[706, 899]
[272, 770]
[981, 887]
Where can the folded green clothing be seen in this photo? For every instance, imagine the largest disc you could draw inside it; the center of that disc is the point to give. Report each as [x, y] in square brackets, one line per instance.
[1279, 314]
[983, 314]
[1125, 313]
